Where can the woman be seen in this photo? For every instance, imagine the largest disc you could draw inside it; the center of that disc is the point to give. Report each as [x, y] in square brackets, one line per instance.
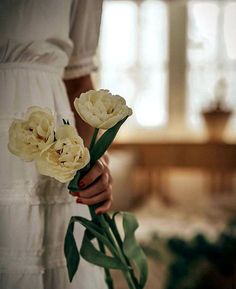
[38, 40]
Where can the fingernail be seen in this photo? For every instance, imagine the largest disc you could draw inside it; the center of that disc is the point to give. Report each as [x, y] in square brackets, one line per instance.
[79, 201]
[81, 184]
[75, 194]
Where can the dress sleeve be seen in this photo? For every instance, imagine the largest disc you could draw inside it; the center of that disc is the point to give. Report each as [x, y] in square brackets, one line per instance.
[84, 32]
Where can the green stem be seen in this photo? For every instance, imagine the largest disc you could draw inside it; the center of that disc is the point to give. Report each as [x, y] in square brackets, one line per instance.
[117, 251]
[117, 248]
[108, 278]
[113, 247]
[92, 212]
[129, 280]
[116, 233]
[129, 276]
[93, 140]
[105, 225]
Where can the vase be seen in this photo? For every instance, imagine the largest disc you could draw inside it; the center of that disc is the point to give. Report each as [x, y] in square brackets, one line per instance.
[216, 121]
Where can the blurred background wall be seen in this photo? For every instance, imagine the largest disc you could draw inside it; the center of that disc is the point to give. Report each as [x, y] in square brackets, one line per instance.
[174, 161]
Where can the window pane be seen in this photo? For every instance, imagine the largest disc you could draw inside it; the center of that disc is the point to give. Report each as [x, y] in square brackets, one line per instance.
[153, 42]
[202, 37]
[211, 55]
[133, 53]
[119, 34]
[151, 103]
[231, 94]
[229, 30]
[201, 86]
[202, 52]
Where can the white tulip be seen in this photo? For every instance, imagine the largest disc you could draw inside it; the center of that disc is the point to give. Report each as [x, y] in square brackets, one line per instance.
[101, 109]
[65, 156]
[28, 137]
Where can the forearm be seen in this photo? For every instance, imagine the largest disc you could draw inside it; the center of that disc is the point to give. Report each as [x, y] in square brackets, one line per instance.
[74, 88]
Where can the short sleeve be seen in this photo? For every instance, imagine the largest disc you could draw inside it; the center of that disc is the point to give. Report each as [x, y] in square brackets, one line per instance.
[84, 32]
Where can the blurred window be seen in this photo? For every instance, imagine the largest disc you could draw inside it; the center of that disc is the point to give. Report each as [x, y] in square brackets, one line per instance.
[211, 50]
[133, 54]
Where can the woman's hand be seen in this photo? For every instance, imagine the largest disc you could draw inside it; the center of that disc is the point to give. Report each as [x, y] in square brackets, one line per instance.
[96, 187]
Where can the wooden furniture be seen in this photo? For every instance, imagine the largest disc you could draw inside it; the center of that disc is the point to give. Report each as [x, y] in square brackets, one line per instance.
[154, 159]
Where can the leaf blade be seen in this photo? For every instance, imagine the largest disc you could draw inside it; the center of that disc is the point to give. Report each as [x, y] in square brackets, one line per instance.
[132, 249]
[73, 185]
[105, 141]
[71, 252]
[96, 257]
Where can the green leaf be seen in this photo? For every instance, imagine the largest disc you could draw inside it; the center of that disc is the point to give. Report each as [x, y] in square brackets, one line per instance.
[96, 257]
[73, 185]
[90, 225]
[71, 252]
[112, 223]
[132, 249]
[97, 232]
[105, 141]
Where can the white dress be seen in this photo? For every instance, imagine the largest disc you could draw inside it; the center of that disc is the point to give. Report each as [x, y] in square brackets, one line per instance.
[38, 38]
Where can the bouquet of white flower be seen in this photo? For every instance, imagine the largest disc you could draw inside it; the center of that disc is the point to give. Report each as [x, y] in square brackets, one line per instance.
[61, 154]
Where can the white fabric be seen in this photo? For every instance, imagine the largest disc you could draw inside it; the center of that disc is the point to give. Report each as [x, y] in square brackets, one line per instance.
[37, 39]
